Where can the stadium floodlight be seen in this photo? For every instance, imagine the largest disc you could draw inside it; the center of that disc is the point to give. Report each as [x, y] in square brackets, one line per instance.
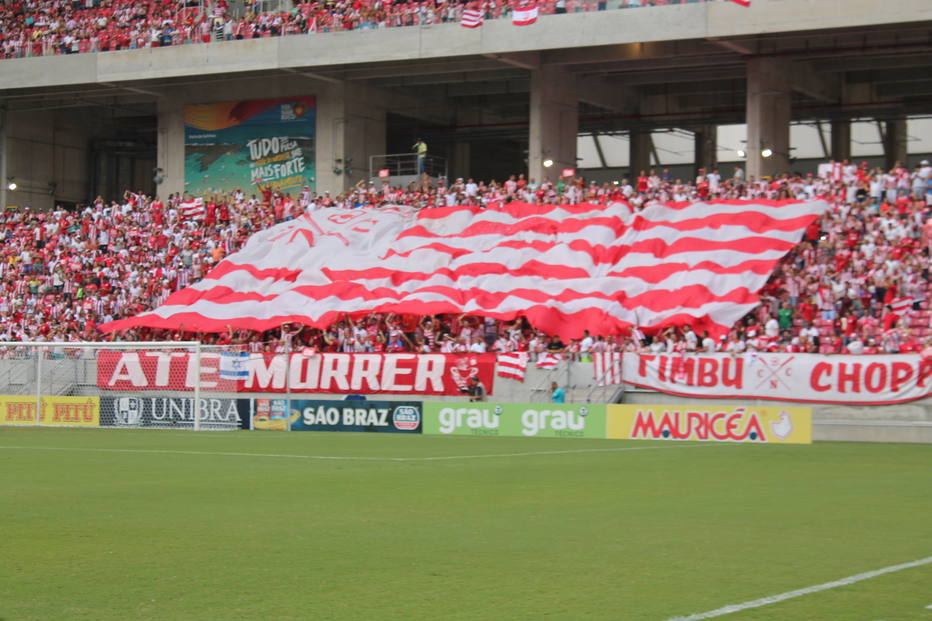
[548, 163]
[766, 152]
[11, 185]
[742, 153]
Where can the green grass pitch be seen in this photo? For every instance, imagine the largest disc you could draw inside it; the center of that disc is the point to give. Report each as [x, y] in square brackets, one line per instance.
[159, 526]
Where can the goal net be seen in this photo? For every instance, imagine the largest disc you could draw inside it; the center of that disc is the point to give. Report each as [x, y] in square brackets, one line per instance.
[128, 385]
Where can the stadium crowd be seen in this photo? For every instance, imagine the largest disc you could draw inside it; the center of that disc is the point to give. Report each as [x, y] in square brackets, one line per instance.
[857, 283]
[49, 27]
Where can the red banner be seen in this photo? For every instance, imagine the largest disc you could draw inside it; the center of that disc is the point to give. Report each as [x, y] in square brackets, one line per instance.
[413, 374]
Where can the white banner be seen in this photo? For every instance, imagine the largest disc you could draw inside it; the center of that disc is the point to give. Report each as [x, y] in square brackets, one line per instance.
[808, 378]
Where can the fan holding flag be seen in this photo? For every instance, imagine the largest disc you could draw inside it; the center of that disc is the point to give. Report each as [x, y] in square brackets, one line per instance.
[472, 16]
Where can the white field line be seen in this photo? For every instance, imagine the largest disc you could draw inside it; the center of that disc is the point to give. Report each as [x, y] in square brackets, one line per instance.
[773, 599]
[358, 458]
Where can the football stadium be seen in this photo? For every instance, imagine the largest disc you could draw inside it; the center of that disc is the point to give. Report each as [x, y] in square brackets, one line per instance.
[466, 309]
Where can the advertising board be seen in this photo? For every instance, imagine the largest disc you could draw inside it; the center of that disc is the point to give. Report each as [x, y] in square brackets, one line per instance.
[370, 416]
[144, 411]
[542, 420]
[56, 411]
[712, 423]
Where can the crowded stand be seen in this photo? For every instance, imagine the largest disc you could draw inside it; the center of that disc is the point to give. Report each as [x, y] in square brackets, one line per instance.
[51, 27]
[857, 283]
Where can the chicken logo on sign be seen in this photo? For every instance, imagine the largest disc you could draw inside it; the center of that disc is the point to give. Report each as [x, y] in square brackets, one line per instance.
[783, 427]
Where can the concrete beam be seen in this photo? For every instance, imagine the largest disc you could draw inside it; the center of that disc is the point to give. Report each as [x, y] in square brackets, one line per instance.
[521, 60]
[570, 39]
[603, 93]
[818, 86]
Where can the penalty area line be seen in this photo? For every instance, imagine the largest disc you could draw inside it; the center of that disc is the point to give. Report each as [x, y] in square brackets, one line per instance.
[356, 457]
[773, 599]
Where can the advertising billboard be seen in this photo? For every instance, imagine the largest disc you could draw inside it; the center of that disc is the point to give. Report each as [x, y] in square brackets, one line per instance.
[56, 411]
[542, 420]
[371, 416]
[250, 145]
[712, 423]
[143, 411]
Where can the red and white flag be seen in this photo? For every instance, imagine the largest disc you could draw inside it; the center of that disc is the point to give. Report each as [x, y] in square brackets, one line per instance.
[472, 18]
[607, 366]
[513, 365]
[901, 305]
[193, 208]
[565, 268]
[547, 360]
[744, 3]
[524, 16]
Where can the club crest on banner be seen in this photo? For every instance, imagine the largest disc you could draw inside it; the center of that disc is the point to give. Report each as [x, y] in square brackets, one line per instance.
[462, 370]
[773, 372]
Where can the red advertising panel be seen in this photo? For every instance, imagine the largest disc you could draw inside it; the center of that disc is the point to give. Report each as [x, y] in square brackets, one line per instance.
[414, 374]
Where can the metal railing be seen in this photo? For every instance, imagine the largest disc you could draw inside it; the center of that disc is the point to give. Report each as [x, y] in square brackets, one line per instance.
[395, 165]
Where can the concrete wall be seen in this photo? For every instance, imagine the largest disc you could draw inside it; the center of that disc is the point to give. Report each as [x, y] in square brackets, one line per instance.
[668, 23]
[48, 156]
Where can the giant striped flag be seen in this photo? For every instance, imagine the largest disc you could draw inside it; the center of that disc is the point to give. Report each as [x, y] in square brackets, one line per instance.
[566, 268]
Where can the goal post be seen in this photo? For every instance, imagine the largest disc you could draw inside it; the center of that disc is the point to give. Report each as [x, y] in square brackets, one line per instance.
[156, 384]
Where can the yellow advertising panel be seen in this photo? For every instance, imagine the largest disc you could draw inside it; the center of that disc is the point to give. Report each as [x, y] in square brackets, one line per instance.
[711, 423]
[56, 411]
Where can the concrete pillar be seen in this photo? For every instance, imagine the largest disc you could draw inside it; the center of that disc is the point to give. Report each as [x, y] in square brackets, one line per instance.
[461, 160]
[769, 101]
[706, 147]
[460, 164]
[554, 122]
[350, 128]
[639, 148]
[841, 140]
[170, 145]
[894, 143]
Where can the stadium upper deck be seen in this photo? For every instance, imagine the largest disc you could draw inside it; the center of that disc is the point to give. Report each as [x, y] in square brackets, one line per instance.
[495, 98]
